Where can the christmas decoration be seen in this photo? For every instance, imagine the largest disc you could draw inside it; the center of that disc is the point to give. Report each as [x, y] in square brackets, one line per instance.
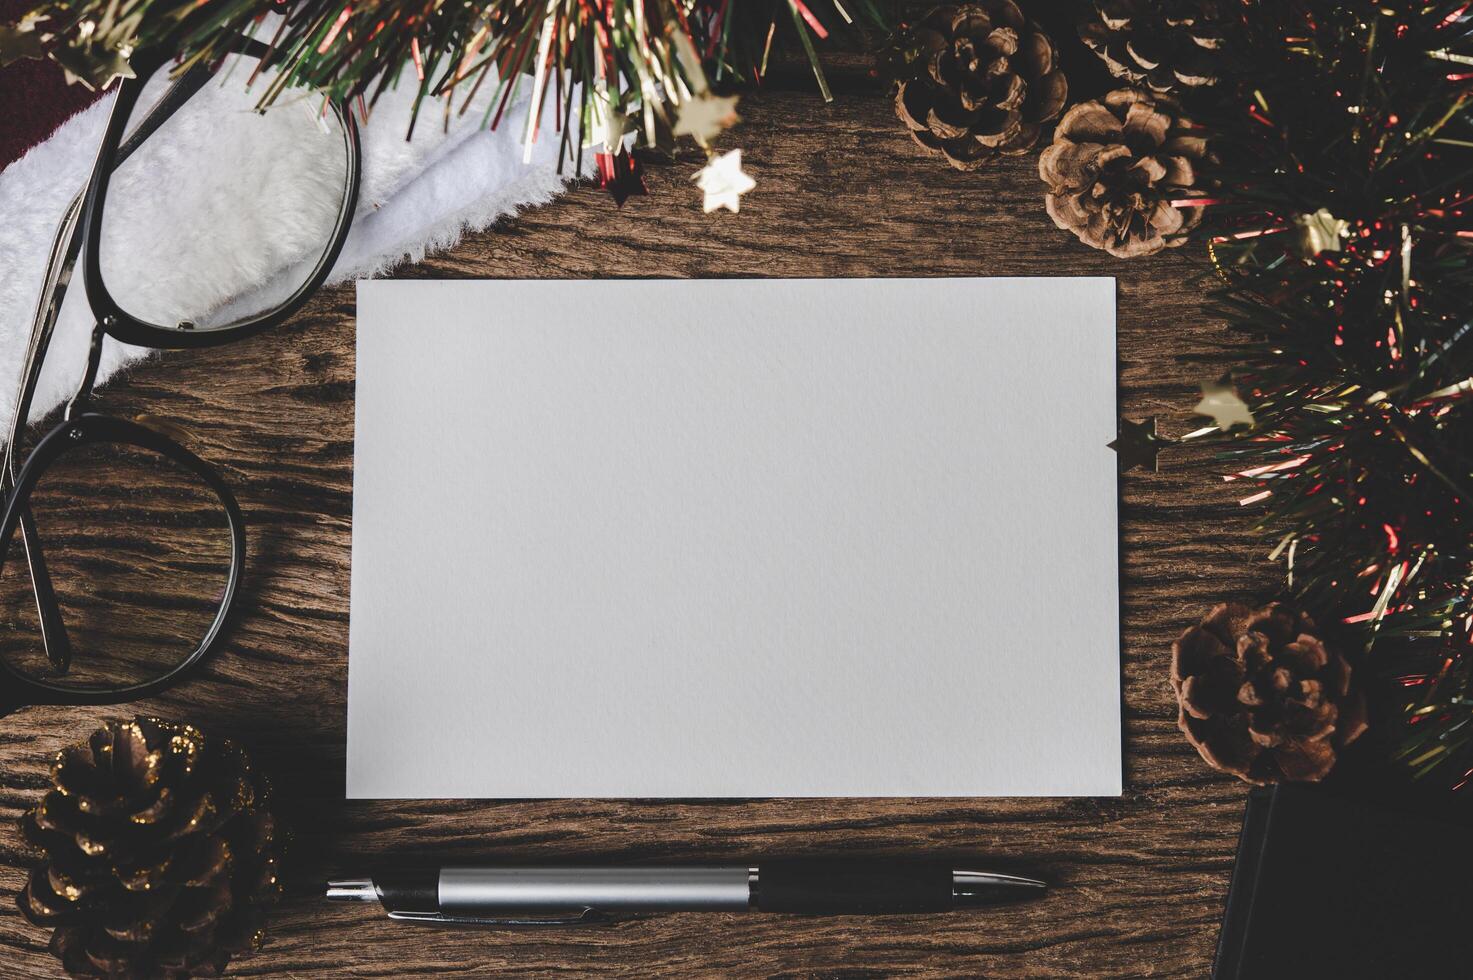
[977, 81]
[1318, 232]
[1221, 402]
[35, 97]
[1340, 226]
[621, 175]
[703, 118]
[22, 39]
[723, 182]
[1138, 445]
[1121, 173]
[161, 855]
[652, 61]
[1161, 44]
[1261, 696]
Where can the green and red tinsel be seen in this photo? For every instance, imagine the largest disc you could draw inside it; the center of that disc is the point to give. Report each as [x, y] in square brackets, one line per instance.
[626, 59]
[1343, 228]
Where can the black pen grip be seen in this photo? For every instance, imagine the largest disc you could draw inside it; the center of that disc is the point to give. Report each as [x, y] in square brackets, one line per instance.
[821, 887]
[409, 891]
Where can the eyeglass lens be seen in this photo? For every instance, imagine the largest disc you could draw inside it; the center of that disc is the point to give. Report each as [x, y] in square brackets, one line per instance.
[138, 552]
[223, 212]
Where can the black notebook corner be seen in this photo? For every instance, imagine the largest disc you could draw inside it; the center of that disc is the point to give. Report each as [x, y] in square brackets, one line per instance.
[1329, 887]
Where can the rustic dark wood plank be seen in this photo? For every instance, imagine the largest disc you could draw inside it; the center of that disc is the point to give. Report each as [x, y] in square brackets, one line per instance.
[842, 192]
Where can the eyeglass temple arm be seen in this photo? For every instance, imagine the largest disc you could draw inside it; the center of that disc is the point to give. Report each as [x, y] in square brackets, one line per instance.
[64, 250]
[54, 637]
[178, 93]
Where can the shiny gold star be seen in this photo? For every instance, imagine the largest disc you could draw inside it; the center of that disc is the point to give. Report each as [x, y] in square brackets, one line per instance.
[94, 66]
[704, 116]
[616, 126]
[22, 39]
[1138, 444]
[1318, 232]
[723, 182]
[115, 65]
[1221, 403]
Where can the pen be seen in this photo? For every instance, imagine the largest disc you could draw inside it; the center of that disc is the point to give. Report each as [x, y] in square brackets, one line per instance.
[508, 896]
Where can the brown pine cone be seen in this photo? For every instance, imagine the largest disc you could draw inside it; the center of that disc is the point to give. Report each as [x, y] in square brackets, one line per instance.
[1262, 697]
[978, 81]
[161, 855]
[1162, 44]
[1118, 169]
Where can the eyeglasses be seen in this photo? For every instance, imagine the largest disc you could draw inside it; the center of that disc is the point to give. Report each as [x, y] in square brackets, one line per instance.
[121, 551]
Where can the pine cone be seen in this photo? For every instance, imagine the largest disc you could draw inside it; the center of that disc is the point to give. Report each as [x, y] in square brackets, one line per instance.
[161, 855]
[1261, 697]
[1115, 168]
[978, 81]
[1163, 44]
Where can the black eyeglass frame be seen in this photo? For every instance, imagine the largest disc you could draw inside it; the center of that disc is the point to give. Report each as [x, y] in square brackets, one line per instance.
[116, 321]
[80, 231]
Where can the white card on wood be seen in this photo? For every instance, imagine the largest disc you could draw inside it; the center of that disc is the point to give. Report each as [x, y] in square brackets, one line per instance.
[735, 538]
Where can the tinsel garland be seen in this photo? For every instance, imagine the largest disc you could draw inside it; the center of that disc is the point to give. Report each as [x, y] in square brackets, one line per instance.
[1340, 226]
[632, 61]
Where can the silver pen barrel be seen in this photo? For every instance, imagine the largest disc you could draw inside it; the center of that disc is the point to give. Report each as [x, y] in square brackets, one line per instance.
[615, 890]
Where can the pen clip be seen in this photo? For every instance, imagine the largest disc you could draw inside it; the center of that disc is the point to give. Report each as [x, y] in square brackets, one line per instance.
[582, 917]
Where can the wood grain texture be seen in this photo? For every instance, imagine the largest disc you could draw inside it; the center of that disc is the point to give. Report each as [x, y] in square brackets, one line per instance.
[1139, 880]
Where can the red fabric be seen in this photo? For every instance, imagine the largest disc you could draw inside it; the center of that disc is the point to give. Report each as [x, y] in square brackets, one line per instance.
[34, 97]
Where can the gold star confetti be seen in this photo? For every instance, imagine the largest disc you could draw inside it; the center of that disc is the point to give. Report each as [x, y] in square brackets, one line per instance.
[723, 182]
[96, 68]
[116, 66]
[22, 40]
[618, 125]
[705, 116]
[1318, 232]
[1221, 403]
[1138, 445]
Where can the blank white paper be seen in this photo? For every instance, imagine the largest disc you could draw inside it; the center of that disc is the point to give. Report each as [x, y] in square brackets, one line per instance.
[735, 539]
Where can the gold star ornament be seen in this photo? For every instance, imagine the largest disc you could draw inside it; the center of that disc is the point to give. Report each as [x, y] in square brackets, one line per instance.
[1318, 232]
[22, 39]
[723, 182]
[615, 126]
[96, 66]
[704, 116]
[1221, 403]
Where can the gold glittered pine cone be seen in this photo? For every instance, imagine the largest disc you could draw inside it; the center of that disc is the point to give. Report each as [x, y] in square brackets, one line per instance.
[161, 855]
[1163, 45]
[978, 81]
[1262, 697]
[1121, 171]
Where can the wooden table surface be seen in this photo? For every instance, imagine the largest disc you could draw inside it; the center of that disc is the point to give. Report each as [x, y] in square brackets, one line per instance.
[1139, 881]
